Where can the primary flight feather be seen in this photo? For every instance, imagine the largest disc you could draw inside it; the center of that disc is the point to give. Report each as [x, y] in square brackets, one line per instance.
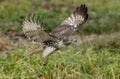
[60, 36]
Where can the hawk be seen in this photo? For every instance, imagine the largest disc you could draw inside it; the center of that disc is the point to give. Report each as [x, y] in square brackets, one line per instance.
[60, 36]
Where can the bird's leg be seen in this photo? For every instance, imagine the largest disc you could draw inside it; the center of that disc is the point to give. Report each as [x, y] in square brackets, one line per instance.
[44, 61]
[47, 51]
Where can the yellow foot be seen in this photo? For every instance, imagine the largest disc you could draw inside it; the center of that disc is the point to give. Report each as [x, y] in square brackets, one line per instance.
[44, 62]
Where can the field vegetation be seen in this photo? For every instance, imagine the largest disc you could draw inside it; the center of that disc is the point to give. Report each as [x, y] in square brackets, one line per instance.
[95, 59]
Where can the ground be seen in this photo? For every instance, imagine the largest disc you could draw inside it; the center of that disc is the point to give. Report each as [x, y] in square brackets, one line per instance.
[96, 55]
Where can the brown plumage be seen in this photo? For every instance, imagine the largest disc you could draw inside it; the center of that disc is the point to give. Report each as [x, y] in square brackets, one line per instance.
[60, 35]
[72, 23]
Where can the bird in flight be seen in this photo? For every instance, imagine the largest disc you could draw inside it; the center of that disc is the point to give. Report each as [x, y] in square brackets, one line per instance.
[60, 36]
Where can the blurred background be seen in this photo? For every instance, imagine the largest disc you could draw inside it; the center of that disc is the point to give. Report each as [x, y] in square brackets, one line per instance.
[99, 35]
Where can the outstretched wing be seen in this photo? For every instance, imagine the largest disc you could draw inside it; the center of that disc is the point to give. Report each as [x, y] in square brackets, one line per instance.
[69, 25]
[33, 30]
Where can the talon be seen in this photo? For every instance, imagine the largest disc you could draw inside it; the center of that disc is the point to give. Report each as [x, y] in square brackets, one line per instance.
[44, 62]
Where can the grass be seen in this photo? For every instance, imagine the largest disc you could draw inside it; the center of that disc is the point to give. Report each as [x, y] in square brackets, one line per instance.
[69, 64]
[93, 60]
[102, 19]
[99, 59]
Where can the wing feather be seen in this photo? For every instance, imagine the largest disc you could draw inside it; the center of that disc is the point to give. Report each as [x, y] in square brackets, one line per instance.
[78, 17]
[71, 24]
[33, 30]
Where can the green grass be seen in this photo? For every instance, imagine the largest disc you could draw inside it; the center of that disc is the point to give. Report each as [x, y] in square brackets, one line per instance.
[103, 15]
[71, 63]
[99, 59]
[93, 60]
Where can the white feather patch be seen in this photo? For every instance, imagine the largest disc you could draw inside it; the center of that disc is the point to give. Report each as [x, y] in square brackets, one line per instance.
[47, 51]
